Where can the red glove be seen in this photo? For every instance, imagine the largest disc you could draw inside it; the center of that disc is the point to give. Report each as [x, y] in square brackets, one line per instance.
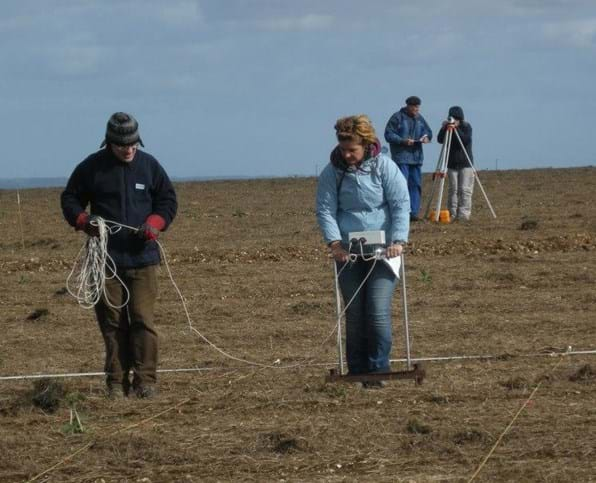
[83, 223]
[151, 228]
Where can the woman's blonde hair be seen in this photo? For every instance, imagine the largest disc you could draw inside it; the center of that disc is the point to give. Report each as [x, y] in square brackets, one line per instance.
[357, 129]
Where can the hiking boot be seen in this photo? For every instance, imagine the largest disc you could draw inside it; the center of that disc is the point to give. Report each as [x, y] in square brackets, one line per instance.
[115, 391]
[127, 388]
[146, 392]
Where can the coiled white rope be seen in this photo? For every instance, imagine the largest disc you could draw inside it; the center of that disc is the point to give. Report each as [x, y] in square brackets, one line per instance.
[93, 266]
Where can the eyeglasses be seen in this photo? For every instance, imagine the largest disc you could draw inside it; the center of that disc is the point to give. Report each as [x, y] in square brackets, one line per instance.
[126, 147]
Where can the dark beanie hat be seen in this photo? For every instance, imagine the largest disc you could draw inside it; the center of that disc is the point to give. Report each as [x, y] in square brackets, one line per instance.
[456, 112]
[413, 101]
[122, 130]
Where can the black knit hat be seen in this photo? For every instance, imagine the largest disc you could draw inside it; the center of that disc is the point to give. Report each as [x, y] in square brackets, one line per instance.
[122, 130]
[413, 101]
[456, 112]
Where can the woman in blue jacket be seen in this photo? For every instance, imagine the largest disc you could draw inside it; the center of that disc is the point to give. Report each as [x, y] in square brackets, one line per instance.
[363, 190]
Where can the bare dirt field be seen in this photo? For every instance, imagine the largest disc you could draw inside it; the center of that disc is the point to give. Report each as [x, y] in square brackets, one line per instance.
[249, 260]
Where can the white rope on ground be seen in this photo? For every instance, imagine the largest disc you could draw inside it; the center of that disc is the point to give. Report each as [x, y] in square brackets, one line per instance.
[313, 364]
[91, 284]
[106, 437]
[500, 438]
[107, 227]
[95, 374]
[275, 365]
[111, 434]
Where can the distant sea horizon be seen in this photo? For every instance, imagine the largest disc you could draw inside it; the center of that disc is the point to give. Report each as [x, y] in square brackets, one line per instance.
[58, 182]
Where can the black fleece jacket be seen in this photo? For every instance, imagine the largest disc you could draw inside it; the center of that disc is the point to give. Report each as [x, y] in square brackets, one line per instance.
[123, 192]
[457, 158]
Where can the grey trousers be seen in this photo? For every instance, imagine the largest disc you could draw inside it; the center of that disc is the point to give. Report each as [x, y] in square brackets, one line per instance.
[461, 187]
[129, 334]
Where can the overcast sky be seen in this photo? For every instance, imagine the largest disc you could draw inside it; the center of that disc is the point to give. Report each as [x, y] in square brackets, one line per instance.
[253, 87]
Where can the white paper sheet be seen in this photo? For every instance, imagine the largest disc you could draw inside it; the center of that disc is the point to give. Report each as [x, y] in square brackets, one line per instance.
[394, 264]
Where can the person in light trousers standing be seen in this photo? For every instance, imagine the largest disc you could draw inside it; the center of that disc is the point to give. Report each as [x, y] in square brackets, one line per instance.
[459, 171]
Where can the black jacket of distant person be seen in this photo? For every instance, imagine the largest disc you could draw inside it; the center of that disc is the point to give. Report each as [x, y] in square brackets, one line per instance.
[125, 192]
[457, 158]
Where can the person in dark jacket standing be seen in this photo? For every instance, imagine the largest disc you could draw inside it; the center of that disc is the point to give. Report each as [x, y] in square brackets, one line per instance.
[123, 184]
[459, 168]
[406, 132]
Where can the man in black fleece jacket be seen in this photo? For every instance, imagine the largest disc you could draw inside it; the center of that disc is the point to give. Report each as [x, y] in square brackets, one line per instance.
[124, 184]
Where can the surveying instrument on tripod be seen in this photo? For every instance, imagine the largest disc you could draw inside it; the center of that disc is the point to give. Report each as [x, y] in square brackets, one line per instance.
[450, 128]
[369, 246]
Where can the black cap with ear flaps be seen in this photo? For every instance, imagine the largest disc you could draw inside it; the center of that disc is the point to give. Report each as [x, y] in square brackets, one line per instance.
[122, 130]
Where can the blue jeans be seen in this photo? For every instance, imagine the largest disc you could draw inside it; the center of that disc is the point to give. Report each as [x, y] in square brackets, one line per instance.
[368, 317]
[413, 175]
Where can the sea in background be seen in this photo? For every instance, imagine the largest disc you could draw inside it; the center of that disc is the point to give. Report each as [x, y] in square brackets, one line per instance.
[60, 182]
[29, 183]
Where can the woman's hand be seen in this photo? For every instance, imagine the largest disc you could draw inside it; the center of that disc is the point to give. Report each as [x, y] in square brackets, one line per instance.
[338, 252]
[394, 250]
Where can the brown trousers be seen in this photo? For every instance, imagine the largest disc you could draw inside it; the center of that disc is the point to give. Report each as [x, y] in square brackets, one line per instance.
[128, 333]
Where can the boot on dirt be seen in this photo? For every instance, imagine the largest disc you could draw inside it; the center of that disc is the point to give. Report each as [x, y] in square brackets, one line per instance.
[146, 392]
[116, 391]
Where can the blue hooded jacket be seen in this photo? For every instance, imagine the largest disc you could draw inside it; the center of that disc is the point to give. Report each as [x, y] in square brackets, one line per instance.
[399, 128]
[372, 196]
